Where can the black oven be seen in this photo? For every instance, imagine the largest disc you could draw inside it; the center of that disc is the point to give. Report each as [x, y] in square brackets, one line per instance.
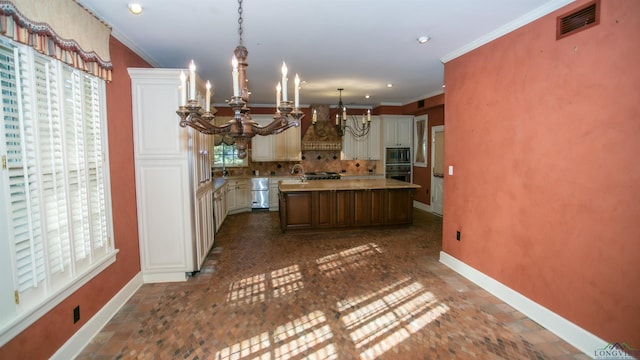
[398, 172]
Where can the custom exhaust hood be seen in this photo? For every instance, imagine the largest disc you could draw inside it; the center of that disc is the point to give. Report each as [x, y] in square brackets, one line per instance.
[322, 135]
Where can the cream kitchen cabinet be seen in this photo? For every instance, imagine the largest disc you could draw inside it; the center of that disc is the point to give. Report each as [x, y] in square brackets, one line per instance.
[220, 205]
[363, 148]
[285, 146]
[398, 130]
[273, 192]
[238, 196]
[173, 180]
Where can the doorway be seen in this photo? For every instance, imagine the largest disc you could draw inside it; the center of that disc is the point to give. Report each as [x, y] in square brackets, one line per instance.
[437, 169]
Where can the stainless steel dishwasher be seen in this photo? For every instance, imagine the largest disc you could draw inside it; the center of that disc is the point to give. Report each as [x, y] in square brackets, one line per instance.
[259, 193]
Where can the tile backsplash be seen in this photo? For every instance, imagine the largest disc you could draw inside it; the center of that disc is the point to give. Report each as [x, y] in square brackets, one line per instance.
[312, 161]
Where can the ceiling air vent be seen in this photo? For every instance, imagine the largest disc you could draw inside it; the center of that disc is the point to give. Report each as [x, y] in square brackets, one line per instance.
[578, 20]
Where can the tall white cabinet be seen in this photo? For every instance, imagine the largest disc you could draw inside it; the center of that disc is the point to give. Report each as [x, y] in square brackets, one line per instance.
[174, 189]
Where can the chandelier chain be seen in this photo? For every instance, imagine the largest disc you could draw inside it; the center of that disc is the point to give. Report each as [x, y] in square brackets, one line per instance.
[240, 19]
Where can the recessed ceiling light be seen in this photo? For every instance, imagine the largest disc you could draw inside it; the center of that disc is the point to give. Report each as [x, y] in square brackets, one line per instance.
[423, 39]
[135, 8]
[389, 85]
[367, 96]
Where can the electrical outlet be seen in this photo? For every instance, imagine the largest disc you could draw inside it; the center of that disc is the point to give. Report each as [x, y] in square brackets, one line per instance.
[458, 235]
[76, 314]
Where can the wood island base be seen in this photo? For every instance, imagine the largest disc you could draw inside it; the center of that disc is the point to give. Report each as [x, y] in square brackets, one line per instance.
[327, 204]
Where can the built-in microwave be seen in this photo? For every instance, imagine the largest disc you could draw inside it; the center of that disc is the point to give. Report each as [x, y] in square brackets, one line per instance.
[397, 155]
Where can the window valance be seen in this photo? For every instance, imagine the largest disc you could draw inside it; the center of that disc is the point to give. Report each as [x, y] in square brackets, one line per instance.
[62, 29]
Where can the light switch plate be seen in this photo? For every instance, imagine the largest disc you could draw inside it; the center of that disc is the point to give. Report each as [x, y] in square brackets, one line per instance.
[450, 169]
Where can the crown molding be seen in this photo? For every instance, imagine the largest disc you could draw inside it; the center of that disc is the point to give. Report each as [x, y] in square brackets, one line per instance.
[543, 10]
[135, 48]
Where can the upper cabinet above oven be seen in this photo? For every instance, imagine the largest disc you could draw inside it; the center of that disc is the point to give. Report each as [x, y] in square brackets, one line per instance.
[397, 130]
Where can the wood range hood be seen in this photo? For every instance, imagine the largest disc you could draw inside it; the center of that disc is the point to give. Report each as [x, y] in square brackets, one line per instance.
[322, 135]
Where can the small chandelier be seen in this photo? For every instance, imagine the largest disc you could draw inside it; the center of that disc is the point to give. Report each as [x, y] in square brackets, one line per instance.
[241, 128]
[355, 127]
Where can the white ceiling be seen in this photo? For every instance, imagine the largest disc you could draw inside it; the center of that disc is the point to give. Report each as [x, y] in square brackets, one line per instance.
[358, 45]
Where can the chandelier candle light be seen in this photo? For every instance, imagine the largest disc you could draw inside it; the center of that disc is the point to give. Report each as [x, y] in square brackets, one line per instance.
[241, 128]
[356, 129]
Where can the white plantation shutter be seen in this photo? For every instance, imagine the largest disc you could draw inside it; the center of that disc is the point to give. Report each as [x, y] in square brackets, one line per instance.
[25, 229]
[55, 182]
[51, 162]
[95, 164]
[77, 169]
[35, 264]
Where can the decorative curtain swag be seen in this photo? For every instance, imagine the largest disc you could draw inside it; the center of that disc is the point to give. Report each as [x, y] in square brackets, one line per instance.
[43, 38]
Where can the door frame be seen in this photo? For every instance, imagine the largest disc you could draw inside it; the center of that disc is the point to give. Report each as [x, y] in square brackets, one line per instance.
[435, 129]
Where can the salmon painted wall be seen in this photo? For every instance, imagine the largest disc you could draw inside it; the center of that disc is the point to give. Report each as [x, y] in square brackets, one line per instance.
[544, 139]
[44, 337]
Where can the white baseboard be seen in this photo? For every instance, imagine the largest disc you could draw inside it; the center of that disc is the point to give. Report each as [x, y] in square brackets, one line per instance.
[421, 206]
[83, 336]
[578, 337]
[152, 278]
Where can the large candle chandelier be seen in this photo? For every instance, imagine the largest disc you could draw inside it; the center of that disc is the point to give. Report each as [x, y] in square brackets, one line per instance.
[241, 128]
[349, 123]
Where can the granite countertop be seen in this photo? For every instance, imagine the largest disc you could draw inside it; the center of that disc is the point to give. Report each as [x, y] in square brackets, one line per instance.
[355, 184]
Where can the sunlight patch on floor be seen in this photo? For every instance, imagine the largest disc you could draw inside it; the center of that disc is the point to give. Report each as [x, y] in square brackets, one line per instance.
[380, 320]
[303, 334]
[286, 280]
[249, 290]
[259, 288]
[348, 259]
[309, 334]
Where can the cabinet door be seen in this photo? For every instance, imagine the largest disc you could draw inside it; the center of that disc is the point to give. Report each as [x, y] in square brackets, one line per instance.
[262, 147]
[287, 145]
[231, 196]
[398, 130]
[323, 202]
[280, 147]
[349, 147]
[243, 197]
[273, 194]
[362, 148]
[216, 208]
[390, 131]
[399, 206]
[204, 227]
[361, 207]
[220, 205]
[298, 209]
[376, 207]
[209, 219]
[404, 133]
[294, 144]
[374, 151]
[238, 197]
[342, 208]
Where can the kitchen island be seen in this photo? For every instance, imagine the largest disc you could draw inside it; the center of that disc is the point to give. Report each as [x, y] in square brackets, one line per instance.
[325, 204]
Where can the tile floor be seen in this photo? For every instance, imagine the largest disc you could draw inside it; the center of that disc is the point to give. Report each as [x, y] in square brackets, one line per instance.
[353, 294]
